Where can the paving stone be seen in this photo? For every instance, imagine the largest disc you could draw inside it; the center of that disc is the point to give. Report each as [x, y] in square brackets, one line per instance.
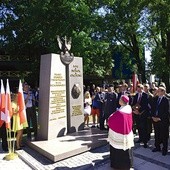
[97, 159]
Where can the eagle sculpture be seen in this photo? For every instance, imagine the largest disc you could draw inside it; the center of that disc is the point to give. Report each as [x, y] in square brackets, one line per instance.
[65, 46]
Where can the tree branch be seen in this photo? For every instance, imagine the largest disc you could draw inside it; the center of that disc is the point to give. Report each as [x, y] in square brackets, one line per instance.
[129, 49]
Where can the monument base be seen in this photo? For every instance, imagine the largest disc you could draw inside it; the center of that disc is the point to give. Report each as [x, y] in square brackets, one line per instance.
[70, 145]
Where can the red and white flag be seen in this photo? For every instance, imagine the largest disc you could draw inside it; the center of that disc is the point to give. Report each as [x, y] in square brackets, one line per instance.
[6, 112]
[8, 106]
[21, 105]
[2, 103]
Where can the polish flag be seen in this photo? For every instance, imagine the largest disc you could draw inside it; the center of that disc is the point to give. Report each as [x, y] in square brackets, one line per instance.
[2, 103]
[21, 105]
[8, 106]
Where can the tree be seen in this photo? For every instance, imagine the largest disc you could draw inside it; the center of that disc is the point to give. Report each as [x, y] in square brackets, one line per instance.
[158, 33]
[32, 28]
[122, 26]
[97, 28]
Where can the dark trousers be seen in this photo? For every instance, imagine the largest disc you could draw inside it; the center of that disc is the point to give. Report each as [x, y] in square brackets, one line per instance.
[3, 135]
[149, 127]
[161, 135]
[142, 126]
[101, 119]
[134, 124]
[31, 118]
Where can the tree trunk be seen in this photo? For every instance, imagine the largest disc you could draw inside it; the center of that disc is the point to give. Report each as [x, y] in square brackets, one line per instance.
[167, 74]
[140, 64]
[139, 61]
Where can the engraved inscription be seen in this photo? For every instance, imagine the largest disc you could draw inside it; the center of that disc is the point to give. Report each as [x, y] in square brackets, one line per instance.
[76, 110]
[57, 97]
[75, 71]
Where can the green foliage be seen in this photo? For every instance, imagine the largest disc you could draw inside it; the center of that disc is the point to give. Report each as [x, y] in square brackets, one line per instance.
[159, 59]
[37, 23]
[122, 27]
[98, 29]
[158, 27]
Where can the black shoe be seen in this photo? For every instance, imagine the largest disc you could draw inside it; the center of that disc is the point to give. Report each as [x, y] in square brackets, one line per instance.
[92, 126]
[164, 153]
[145, 145]
[156, 150]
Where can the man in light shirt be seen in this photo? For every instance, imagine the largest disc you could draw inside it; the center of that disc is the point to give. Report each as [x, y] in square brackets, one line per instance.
[30, 111]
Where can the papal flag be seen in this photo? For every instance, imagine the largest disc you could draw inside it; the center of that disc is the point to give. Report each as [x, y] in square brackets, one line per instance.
[21, 105]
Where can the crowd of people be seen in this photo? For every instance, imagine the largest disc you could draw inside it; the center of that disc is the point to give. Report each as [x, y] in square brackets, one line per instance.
[120, 110]
[150, 112]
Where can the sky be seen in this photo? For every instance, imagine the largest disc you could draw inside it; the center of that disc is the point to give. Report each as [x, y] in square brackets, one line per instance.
[148, 55]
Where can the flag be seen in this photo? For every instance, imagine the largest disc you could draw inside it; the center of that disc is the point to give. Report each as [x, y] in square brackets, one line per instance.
[8, 106]
[2, 103]
[21, 105]
[135, 81]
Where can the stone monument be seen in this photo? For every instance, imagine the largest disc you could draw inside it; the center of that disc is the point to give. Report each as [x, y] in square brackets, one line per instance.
[61, 108]
[61, 93]
[74, 86]
[52, 118]
[76, 95]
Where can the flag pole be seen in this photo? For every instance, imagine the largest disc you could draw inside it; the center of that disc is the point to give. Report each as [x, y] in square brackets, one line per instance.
[14, 142]
[11, 151]
[8, 112]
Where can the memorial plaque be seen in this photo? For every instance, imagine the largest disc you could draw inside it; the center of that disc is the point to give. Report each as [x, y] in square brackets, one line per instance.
[52, 119]
[76, 95]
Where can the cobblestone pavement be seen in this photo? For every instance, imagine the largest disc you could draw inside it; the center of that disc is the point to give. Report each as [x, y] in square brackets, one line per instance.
[97, 159]
[86, 160]
[29, 159]
[16, 164]
[144, 159]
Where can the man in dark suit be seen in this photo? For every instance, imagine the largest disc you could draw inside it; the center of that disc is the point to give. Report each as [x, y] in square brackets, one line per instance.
[160, 112]
[150, 98]
[110, 102]
[102, 95]
[140, 110]
[122, 91]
